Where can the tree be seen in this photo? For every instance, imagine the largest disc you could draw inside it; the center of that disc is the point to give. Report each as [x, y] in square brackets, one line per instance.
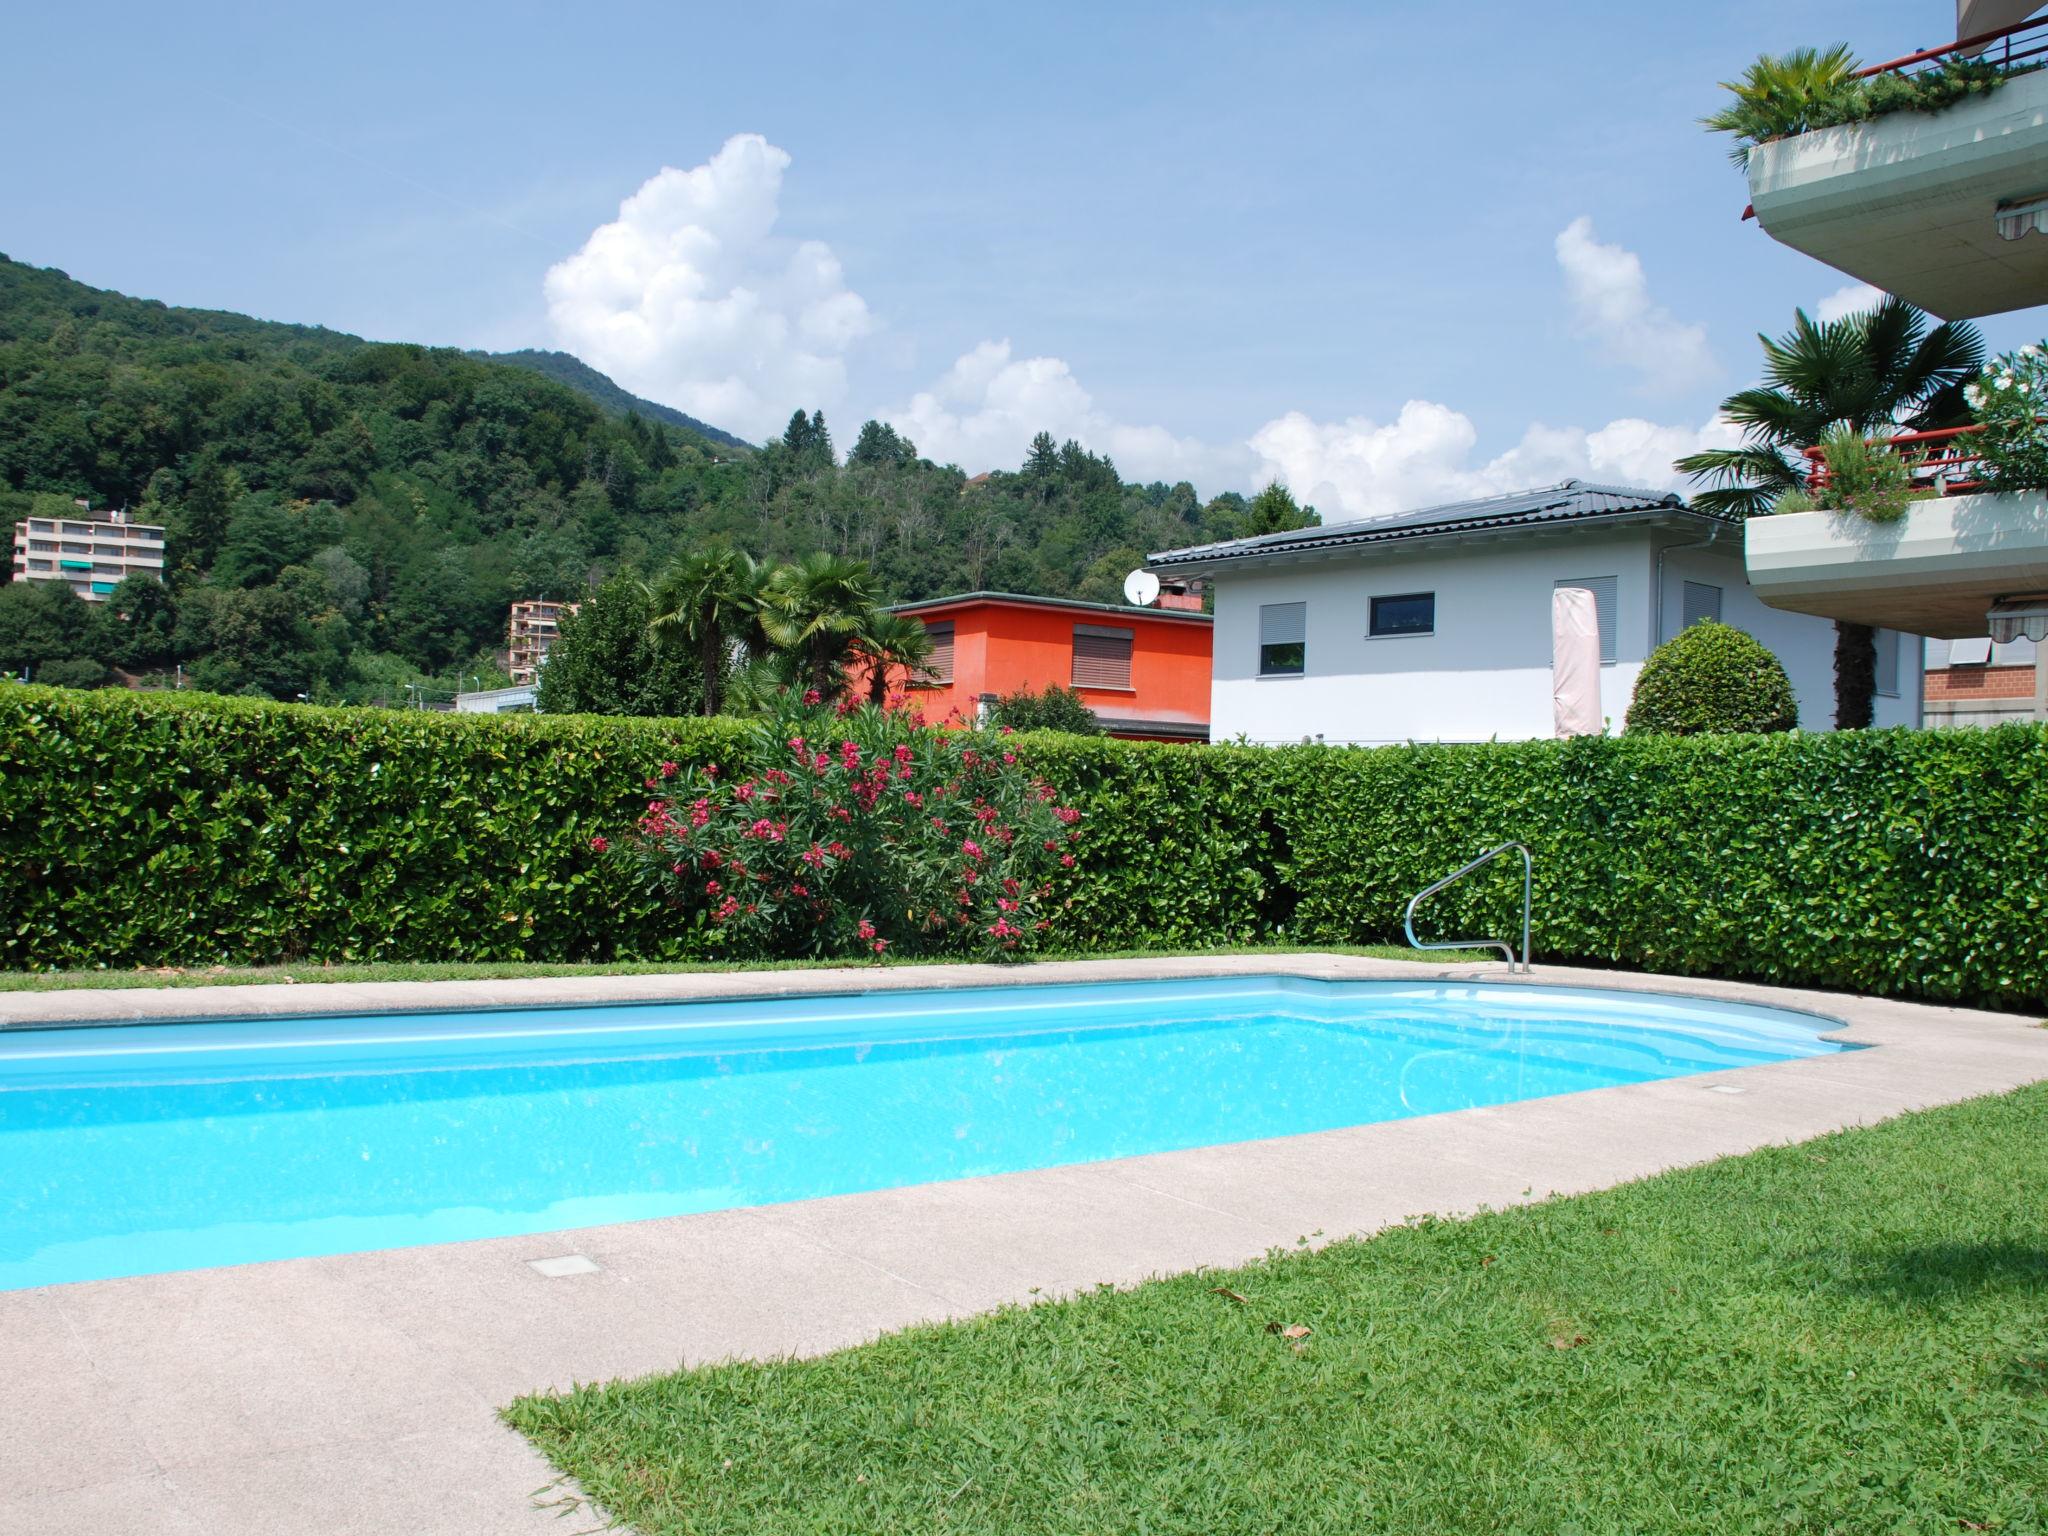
[881, 446]
[604, 661]
[1712, 677]
[1879, 371]
[41, 622]
[811, 612]
[137, 624]
[1274, 510]
[1042, 461]
[703, 606]
[892, 642]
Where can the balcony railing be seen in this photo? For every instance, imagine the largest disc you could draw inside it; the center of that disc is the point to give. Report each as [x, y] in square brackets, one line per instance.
[1945, 461]
[2022, 43]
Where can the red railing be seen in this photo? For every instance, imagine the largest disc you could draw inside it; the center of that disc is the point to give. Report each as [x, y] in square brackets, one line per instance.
[1944, 459]
[2006, 47]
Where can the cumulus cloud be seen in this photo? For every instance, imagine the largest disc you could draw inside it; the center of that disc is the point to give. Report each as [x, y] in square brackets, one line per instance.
[989, 405]
[1361, 468]
[1847, 301]
[1611, 303]
[690, 297]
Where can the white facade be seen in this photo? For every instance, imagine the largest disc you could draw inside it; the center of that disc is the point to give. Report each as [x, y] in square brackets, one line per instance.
[91, 555]
[1484, 670]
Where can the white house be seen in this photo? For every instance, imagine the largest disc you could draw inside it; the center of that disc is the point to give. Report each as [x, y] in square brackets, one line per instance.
[1435, 625]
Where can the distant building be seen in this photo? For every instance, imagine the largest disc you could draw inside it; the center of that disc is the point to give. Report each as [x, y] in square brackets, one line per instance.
[518, 699]
[88, 554]
[1984, 682]
[1143, 671]
[529, 631]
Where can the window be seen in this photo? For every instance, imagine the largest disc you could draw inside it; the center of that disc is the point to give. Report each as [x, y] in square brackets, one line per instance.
[1603, 590]
[1701, 602]
[941, 663]
[1412, 613]
[1887, 641]
[1283, 639]
[1102, 657]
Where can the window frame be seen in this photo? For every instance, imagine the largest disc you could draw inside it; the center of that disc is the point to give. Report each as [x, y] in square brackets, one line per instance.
[1372, 616]
[937, 678]
[1300, 667]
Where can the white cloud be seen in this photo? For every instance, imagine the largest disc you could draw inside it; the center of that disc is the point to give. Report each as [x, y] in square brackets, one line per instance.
[691, 298]
[989, 405]
[1847, 301]
[1610, 299]
[1360, 468]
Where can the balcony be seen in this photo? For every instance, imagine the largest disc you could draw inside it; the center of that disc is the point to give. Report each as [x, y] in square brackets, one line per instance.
[1942, 208]
[1939, 570]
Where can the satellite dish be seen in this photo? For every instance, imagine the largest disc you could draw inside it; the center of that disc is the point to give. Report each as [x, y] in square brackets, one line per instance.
[1141, 589]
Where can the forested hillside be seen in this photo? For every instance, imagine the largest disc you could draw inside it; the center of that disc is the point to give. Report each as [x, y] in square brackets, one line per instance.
[586, 380]
[348, 517]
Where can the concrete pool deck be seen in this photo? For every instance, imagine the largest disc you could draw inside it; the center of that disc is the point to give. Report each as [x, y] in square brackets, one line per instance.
[358, 1392]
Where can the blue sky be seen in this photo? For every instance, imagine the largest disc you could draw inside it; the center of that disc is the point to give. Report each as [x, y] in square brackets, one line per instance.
[1223, 242]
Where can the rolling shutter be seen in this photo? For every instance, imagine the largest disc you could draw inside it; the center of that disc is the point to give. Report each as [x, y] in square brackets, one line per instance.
[1887, 641]
[1702, 601]
[1102, 657]
[941, 663]
[1604, 600]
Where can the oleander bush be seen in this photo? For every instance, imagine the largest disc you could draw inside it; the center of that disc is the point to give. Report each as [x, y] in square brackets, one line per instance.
[1712, 677]
[855, 830]
[158, 829]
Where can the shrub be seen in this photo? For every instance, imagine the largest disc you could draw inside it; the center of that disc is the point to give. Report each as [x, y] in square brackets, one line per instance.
[853, 832]
[1056, 709]
[1863, 477]
[150, 829]
[73, 672]
[2007, 399]
[1709, 678]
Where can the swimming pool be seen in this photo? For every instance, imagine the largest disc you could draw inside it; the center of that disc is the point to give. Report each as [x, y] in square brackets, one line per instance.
[142, 1149]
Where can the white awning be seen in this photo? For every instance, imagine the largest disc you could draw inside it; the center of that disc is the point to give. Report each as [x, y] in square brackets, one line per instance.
[2013, 617]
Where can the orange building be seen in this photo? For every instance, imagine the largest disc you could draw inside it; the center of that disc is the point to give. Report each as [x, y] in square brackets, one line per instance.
[1144, 671]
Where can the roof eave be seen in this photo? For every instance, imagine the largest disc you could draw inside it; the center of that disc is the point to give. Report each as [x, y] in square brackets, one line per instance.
[1342, 547]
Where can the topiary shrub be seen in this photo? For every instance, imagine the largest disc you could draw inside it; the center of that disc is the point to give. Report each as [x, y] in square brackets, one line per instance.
[1712, 678]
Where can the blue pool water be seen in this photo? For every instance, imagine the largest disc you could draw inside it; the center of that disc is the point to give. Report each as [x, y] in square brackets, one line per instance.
[143, 1149]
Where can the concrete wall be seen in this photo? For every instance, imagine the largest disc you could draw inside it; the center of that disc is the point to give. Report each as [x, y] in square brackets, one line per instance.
[1485, 672]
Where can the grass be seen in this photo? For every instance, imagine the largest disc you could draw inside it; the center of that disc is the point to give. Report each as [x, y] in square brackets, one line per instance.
[399, 970]
[1849, 1335]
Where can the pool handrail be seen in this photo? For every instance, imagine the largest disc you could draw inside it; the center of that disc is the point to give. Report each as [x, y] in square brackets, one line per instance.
[1507, 952]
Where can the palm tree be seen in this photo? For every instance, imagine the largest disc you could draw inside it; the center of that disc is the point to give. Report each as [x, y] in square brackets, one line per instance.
[707, 601]
[1783, 96]
[812, 612]
[1878, 371]
[892, 640]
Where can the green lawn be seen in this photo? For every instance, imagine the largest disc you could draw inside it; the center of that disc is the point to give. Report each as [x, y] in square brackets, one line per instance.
[245, 975]
[1850, 1335]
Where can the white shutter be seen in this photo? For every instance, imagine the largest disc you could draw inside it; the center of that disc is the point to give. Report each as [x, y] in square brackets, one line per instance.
[1604, 604]
[1283, 623]
[1702, 601]
[1102, 657]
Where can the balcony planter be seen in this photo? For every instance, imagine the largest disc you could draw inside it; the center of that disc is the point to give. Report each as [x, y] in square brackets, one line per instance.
[1935, 572]
[1910, 202]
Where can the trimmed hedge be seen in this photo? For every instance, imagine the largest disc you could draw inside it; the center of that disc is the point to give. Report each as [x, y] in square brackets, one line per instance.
[154, 829]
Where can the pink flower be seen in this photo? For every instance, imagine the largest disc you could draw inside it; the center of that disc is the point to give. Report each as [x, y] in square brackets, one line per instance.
[796, 745]
[866, 929]
[903, 753]
[814, 856]
[1001, 928]
[712, 887]
[668, 770]
[744, 793]
[912, 798]
[711, 770]
[971, 848]
[1009, 730]
[813, 697]
[599, 844]
[1066, 861]
[881, 946]
[1067, 814]
[1009, 757]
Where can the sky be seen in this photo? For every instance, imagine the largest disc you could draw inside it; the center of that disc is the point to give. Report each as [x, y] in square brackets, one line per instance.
[1387, 254]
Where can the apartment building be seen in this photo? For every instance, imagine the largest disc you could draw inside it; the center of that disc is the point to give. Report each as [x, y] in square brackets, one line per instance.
[89, 554]
[530, 630]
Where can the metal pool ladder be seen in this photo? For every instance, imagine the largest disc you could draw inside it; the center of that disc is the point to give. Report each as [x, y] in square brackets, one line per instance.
[1507, 953]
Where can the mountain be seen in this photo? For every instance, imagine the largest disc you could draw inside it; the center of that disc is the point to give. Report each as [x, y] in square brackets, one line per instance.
[586, 380]
[347, 520]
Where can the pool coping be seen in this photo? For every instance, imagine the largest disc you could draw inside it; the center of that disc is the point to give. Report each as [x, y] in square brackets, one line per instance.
[358, 1391]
